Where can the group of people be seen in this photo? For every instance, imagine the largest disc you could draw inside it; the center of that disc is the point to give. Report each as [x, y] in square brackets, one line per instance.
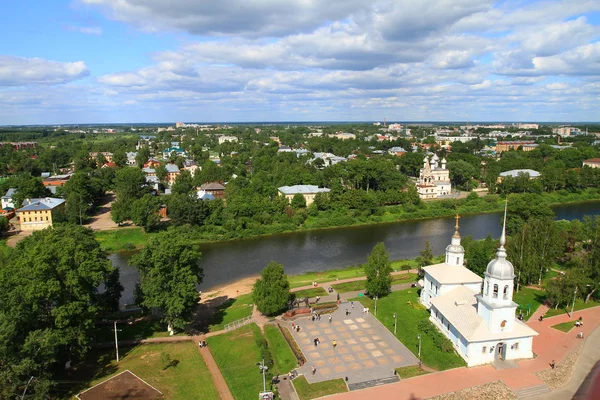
[296, 327]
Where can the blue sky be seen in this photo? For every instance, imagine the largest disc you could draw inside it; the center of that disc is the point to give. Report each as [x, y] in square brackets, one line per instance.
[86, 61]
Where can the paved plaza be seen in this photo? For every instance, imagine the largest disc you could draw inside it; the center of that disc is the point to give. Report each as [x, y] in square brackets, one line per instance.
[366, 350]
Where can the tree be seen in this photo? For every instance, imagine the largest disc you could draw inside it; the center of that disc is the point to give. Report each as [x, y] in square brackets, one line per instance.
[169, 273]
[184, 183]
[271, 292]
[185, 209]
[524, 207]
[425, 258]
[120, 158]
[142, 156]
[49, 305]
[298, 201]
[478, 253]
[461, 173]
[378, 271]
[130, 185]
[28, 187]
[4, 225]
[144, 212]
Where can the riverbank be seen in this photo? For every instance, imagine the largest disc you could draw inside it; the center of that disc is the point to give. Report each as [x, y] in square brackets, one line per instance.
[132, 238]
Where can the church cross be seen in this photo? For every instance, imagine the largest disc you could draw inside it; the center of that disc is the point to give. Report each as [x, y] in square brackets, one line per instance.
[457, 218]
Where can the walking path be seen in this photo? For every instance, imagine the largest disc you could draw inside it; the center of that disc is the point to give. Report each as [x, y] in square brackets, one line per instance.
[210, 362]
[550, 345]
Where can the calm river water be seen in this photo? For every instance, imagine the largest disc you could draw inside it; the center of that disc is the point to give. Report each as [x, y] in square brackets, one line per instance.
[333, 248]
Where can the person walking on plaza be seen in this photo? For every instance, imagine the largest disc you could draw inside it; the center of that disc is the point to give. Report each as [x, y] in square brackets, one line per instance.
[329, 318]
[334, 344]
[313, 370]
[552, 364]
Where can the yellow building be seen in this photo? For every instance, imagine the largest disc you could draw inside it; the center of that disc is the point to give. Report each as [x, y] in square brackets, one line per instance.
[36, 214]
[307, 191]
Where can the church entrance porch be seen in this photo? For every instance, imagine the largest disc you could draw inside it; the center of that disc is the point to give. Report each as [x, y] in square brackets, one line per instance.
[500, 351]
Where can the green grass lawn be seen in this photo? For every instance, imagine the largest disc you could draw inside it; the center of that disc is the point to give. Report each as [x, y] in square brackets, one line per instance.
[314, 292]
[409, 316]
[410, 371]
[325, 276]
[350, 286]
[232, 310]
[527, 296]
[361, 285]
[142, 329]
[187, 377]
[284, 359]
[579, 305]
[307, 391]
[236, 354]
[565, 326]
[121, 239]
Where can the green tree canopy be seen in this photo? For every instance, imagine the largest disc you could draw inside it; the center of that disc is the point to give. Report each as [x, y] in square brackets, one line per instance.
[271, 292]
[49, 304]
[378, 271]
[169, 273]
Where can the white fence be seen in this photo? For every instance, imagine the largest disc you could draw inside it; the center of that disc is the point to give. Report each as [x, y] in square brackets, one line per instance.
[239, 323]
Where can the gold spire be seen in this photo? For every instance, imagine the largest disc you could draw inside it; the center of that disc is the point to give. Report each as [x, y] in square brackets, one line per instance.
[456, 234]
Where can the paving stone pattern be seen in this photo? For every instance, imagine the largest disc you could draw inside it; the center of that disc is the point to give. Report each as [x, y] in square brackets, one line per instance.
[366, 350]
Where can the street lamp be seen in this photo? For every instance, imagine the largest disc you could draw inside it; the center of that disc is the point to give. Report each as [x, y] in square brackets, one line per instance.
[376, 297]
[395, 322]
[573, 305]
[419, 355]
[263, 371]
[116, 340]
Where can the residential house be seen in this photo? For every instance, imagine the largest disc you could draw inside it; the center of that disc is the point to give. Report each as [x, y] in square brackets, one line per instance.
[192, 167]
[172, 173]
[152, 163]
[7, 199]
[213, 188]
[224, 138]
[307, 191]
[514, 145]
[131, 155]
[37, 214]
[107, 155]
[397, 151]
[592, 163]
[518, 172]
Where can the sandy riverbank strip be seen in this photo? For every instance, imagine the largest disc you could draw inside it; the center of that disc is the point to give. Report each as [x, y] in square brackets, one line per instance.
[232, 290]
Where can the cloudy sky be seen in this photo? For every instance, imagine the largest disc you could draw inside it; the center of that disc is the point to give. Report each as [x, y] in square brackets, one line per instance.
[85, 61]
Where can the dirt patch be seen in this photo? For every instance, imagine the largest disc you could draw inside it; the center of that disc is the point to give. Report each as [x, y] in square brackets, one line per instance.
[561, 374]
[233, 290]
[490, 391]
[125, 385]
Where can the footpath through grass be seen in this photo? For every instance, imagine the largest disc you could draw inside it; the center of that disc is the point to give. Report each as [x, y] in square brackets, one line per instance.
[565, 326]
[232, 310]
[283, 358]
[410, 312]
[236, 354]
[186, 377]
[307, 391]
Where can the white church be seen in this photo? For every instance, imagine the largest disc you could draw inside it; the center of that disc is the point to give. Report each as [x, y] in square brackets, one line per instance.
[434, 179]
[477, 315]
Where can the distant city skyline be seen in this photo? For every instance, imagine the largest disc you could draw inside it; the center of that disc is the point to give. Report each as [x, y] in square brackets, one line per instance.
[132, 61]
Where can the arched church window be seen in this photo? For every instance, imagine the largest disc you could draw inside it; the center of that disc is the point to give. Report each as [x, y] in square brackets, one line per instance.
[495, 292]
[505, 294]
[487, 287]
[457, 258]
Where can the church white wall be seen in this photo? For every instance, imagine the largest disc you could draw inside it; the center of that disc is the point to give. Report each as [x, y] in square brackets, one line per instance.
[517, 348]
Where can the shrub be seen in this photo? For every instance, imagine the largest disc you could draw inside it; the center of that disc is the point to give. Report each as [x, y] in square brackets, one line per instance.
[293, 345]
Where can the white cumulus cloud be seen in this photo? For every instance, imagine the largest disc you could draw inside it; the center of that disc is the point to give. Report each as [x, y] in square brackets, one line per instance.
[17, 71]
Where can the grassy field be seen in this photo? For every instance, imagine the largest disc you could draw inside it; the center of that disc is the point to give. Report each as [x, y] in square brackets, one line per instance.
[236, 354]
[527, 296]
[231, 310]
[579, 305]
[284, 359]
[314, 292]
[142, 329]
[186, 378]
[410, 371]
[565, 326]
[307, 391]
[122, 239]
[361, 285]
[410, 312]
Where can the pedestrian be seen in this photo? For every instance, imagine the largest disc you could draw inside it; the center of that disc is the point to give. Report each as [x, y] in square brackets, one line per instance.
[318, 298]
[297, 328]
[352, 304]
[315, 340]
[313, 318]
[580, 335]
[334, 344]
[552, 364]
[313, 370]
[347, 312]
[318, 316]
[330, 318]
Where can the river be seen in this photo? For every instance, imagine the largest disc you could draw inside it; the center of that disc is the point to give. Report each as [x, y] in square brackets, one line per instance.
[321, 250]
